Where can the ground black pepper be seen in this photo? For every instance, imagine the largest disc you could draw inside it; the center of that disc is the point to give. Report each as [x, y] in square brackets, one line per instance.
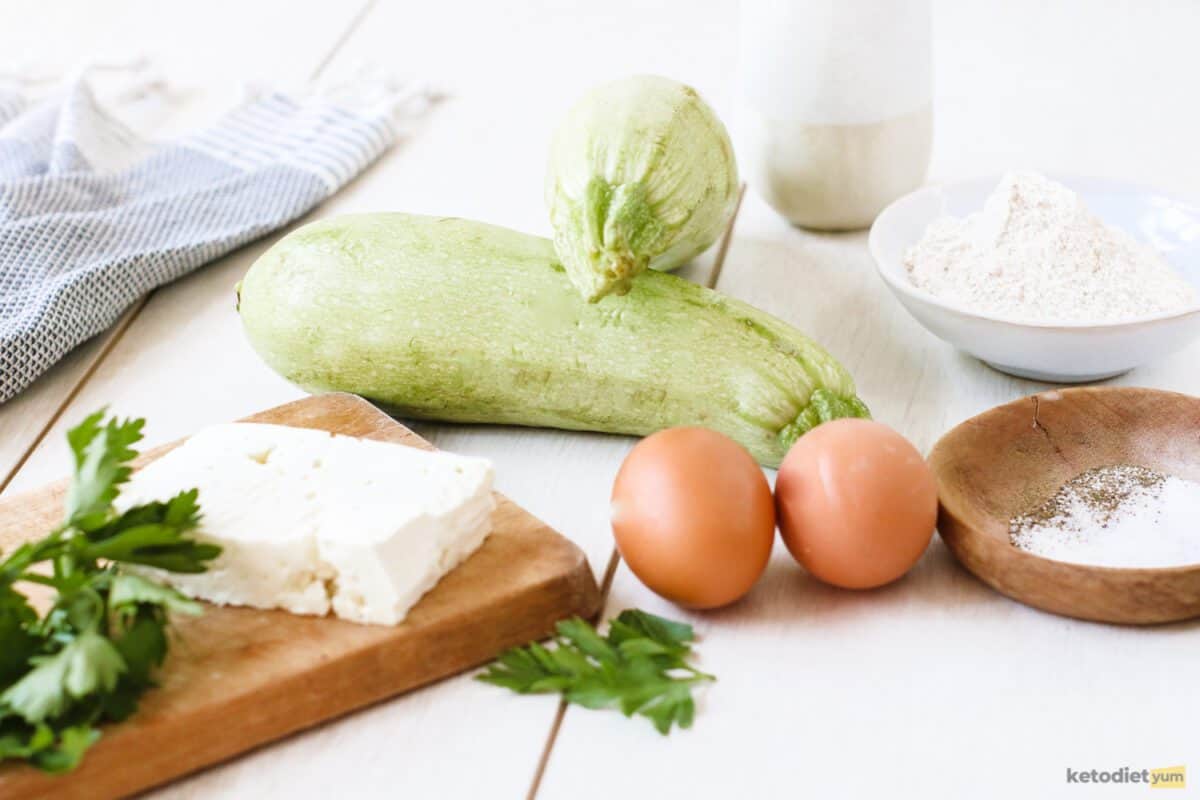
[1103, 490]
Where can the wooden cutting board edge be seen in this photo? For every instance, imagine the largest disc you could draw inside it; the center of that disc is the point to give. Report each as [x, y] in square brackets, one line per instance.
[396, 665]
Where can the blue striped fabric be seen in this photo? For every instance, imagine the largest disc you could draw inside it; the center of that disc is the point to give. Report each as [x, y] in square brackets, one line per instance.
[92, 217]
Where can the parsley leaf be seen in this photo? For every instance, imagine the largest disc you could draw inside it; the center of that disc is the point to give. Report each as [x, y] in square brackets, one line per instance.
[634, 624]
[132, 591]
[102, 453]
[68, 749]
[88, 663]
[639, 667]
[154, 535]
[19, 644]
[41, 746]
[93, 653]
[143, 647]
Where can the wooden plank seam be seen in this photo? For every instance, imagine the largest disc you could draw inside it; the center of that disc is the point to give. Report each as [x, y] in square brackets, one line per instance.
[614, 560]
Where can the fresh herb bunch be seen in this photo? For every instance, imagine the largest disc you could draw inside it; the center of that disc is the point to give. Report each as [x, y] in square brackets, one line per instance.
[93, 653]
[639, 667]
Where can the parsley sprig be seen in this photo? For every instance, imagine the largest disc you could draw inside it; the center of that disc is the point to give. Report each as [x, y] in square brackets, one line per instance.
[94, 651]
[639, 667]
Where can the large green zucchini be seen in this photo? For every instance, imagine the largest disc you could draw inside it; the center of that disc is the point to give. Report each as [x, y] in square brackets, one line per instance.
[449, 319]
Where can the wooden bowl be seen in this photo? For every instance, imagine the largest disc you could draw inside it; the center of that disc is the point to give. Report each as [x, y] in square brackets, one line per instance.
[1007, 460]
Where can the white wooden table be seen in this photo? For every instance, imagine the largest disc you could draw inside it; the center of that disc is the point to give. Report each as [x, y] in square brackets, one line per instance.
[932, 687]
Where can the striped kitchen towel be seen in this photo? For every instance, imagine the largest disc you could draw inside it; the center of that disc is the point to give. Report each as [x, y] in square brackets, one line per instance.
[92, 217]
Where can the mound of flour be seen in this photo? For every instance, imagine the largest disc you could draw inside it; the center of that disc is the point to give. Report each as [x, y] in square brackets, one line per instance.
[1036, 254]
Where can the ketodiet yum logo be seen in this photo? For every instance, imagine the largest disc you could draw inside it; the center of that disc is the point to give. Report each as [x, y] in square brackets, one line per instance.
[1161, 778]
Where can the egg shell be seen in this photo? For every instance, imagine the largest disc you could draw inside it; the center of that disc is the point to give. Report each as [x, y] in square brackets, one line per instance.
[856, 502]
[693, 516]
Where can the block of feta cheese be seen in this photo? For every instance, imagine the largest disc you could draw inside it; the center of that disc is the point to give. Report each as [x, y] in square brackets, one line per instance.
[312, 522]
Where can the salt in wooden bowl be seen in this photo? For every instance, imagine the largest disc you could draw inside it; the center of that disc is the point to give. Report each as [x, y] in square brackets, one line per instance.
[1016, 456]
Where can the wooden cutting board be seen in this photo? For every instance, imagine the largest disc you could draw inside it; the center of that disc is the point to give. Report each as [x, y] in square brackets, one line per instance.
[237, 678]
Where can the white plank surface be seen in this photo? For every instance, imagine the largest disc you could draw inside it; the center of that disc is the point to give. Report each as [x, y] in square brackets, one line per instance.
[179, 40]
[852, 694]
[28, 49]
[40, 38]
[935, 686]
[932, 687]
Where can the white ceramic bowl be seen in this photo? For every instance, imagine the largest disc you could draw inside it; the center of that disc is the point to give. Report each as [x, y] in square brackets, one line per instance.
[1067, 353]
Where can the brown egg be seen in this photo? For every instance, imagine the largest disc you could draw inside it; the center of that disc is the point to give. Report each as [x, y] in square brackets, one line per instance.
[693, 516]
[857, 504]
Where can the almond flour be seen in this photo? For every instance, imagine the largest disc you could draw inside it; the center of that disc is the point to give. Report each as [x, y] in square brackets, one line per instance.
[1036, 254]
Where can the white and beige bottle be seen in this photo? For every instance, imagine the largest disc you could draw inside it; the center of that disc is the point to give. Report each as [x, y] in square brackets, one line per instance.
[835, 116]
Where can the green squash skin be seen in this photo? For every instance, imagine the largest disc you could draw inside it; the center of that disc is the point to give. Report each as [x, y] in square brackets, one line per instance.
[449, 319]
[641, 175]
